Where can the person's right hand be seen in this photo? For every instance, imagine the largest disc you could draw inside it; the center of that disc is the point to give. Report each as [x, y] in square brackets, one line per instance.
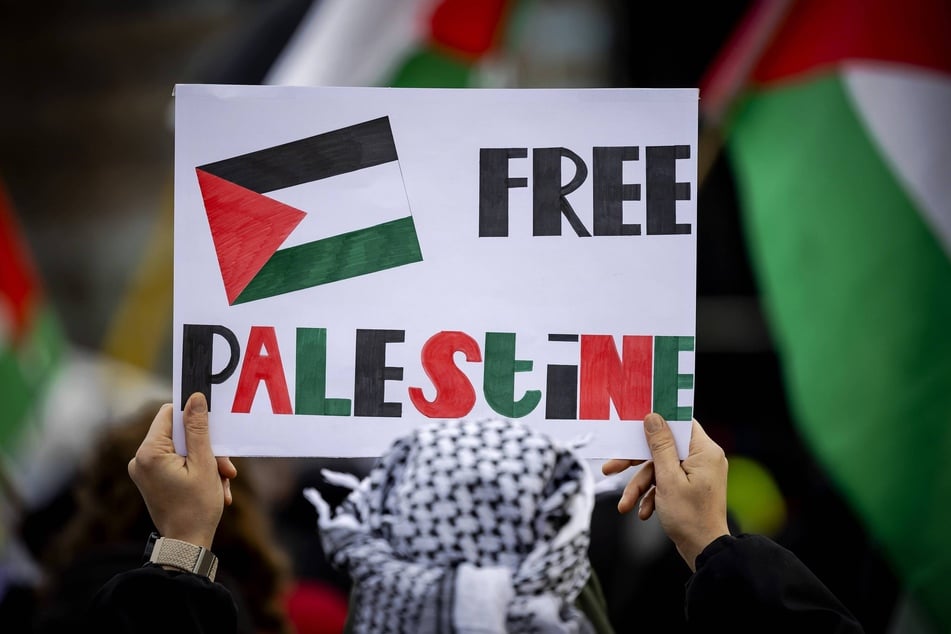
[689, 497]
[185, 495]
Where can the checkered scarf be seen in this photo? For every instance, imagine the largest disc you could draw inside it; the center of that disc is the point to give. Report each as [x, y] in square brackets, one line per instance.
[461, 527]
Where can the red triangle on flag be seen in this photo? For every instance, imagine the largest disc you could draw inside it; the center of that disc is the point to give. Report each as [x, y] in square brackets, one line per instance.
[246, 227]
[19, 284]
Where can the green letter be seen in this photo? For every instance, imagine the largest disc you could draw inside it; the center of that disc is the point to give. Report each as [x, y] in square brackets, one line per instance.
[667, 379]
[498, 380]
[310, 396]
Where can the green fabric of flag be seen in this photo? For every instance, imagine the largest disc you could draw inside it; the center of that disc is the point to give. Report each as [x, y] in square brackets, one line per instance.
[838, 147]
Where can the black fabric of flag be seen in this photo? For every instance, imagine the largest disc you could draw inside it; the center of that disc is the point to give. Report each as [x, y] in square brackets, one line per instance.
[465, 526]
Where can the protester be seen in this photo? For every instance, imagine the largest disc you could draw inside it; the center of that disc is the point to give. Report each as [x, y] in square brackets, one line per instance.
[481, 527]
[468, 526]
[745, 583]
[185, 497]
[106, 535]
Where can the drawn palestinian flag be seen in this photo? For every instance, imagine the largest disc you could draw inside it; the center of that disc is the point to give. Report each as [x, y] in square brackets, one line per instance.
[352, 172]
[842, 150]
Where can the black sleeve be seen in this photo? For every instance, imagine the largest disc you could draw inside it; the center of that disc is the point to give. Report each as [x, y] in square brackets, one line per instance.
[152, 599]
[749, 583]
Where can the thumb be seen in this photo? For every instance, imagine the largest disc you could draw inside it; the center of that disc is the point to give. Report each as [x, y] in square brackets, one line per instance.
[660, 440]
[195, 422]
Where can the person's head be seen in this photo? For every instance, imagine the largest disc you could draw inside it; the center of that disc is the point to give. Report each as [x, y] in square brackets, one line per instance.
[467, 521]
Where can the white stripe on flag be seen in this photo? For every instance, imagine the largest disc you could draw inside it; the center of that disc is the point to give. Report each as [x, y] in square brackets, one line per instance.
[346, 202]
[351, 42]
[907, 112]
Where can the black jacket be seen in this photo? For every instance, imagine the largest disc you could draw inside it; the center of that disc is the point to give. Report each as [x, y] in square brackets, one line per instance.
[746, 583]
[151, 599]
[749, 583]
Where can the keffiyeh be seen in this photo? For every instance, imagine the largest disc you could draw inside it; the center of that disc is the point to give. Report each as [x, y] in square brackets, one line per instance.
[465, 526]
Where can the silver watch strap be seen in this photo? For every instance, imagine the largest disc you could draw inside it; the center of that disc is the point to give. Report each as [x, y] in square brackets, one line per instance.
[184, 556]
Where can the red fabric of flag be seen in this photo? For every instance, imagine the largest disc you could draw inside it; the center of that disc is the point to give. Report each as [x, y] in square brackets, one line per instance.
[467, 27]
[915, 33]
[19, 287]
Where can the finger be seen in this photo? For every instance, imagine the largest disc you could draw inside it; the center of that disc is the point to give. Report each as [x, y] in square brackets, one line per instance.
[161, 428]
[617, 465]
[226, 486]
[638, 485]
[646, 508]
[704, 452]
[226, 468]
[660, 440]
[698, 438]
[195, 418]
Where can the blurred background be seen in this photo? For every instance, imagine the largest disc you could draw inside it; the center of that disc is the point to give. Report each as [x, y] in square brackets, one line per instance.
[823, 361]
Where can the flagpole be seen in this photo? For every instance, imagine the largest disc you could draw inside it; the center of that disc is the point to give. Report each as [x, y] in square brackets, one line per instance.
[9, 491]
[728, 75]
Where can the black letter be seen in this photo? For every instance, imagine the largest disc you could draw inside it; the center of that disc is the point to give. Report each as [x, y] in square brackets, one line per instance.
[663, 191]
[197, 342]
[494, 185]
[561, 390]
[371, 372]
[609, 191]
[549, 200]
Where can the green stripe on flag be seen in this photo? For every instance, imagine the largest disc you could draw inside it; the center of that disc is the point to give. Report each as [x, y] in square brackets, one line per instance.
[368, 250]
[25, 371]
[17, 397]
[430, 68]
[858, 292]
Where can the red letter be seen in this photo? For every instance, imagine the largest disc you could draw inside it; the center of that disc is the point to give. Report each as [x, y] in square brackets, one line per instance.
[262, 362]
[605, 378]
[454, 394]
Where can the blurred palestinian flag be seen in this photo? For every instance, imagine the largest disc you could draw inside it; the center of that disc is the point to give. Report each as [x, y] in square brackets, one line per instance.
[31, 342]
[837, 122]
[411, 43]
[54, 397]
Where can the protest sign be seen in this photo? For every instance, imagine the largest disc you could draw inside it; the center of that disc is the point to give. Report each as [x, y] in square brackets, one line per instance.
[353, 262]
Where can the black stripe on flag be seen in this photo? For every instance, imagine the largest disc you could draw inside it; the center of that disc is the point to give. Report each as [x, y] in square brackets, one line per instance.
[321, 156]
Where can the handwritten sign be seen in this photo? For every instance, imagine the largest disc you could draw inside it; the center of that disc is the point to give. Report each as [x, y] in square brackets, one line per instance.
[353, 262]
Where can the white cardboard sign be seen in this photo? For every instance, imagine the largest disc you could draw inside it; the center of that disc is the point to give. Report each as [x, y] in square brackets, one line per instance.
[353, 262]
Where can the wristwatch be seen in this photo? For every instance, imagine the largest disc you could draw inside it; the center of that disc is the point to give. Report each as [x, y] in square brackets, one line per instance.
[164, 551]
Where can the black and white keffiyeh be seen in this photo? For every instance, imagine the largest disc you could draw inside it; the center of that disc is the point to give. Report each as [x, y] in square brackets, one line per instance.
[465, 526]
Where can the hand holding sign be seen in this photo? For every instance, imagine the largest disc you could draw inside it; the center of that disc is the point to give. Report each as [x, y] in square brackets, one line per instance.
[689, 496]
[185, 495]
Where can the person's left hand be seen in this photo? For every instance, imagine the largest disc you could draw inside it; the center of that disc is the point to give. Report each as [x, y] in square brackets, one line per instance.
[689, 496]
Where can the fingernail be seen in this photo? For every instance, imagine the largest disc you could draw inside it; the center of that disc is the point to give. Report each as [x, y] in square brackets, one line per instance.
[198, 404]
[652, 423]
